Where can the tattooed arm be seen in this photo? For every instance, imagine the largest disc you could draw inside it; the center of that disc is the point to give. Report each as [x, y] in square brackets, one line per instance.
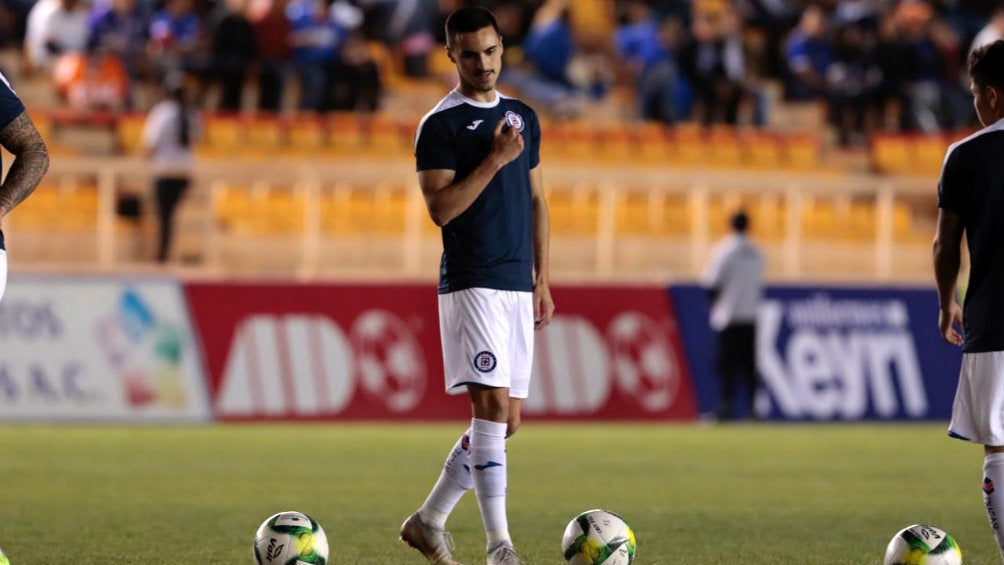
[31, 161]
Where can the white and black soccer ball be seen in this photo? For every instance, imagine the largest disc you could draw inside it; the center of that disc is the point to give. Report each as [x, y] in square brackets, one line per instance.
[290, 538]
[598, 537]
[922, 545]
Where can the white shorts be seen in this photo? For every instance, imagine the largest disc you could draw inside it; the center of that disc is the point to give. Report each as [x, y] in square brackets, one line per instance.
[487, 339]
[978, 411]
[3, 272]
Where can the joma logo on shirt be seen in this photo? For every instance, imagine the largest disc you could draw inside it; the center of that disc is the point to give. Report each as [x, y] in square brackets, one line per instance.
[474, 125]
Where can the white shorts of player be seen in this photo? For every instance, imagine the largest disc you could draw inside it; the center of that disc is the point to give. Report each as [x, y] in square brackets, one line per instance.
[487, 339]
[3, 272]
[978, 411]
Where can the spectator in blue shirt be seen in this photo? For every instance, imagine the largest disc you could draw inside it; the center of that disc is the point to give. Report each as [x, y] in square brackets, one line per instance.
[642, 46]
[315, 39]
[808, 55]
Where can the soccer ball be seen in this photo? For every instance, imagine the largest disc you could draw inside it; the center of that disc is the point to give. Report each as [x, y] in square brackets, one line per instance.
[598, 537]
[923, 545]
[3, 559]
[290, 538]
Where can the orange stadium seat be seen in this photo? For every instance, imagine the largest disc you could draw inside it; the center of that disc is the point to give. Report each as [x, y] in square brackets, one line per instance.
[365, 210]
[929, 154]
[761, 150]
[819, 219]
[862, 220]
[346, 132]
[386, 136]
[686, 146]
[307, 135]
[617, 142]
[129, 132]
[724, 148]
[224, 137]
[574, 210]
[634, 214]
[265, 136]
[801, 152]
[889, 154]
[653, 142]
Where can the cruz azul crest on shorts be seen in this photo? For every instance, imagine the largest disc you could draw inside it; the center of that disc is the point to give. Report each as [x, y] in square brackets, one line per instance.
[484, 361]
[514, 120]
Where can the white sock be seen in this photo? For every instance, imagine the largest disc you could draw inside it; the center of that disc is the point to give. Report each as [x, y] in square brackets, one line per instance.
[454, 481]
[488, 466]
[993, 495]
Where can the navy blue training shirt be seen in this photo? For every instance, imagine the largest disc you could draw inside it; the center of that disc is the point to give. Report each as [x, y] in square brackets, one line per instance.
[489, 245]
[972, 185]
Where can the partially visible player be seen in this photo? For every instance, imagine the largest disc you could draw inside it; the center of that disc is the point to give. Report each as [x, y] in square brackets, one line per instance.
[31, 160]
[971, 202]
[478, 157]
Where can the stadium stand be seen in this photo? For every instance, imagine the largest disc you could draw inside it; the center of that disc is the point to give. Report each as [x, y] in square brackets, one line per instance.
[294, 192]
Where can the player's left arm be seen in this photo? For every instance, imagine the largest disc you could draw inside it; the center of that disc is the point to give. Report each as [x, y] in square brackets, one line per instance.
[31, 161]
[947, 262]
[543, 304]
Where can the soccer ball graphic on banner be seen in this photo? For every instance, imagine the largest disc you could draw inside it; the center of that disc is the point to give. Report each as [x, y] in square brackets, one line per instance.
[598, 537]
[922, 545]
[290, 538]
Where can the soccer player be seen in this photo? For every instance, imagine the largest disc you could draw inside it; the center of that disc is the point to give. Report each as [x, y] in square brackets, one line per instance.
[478, 157]
[31, 160]
[971, 202]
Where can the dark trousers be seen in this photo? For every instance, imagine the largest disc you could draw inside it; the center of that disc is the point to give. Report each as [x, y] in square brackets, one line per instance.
[736, 366]
[167, 192]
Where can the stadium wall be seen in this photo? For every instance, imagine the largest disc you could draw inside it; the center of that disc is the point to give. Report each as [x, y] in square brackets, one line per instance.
[159, 349]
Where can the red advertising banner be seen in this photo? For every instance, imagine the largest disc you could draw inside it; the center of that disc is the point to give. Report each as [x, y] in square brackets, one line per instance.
[372, 352]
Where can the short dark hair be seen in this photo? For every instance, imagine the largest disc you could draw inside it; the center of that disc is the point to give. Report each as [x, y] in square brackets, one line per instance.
[740, 221]
[986, 64]
[469, 19]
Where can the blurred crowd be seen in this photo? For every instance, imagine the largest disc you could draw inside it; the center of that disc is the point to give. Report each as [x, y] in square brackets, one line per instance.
[889, 65]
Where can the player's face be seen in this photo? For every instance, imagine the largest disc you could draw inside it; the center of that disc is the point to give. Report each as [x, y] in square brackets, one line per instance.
[478, 57]
[988, 103]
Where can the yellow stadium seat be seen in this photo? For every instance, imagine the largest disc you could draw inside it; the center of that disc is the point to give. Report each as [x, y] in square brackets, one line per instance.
[129, 131]
[761, 151]
[890, 154]
[724, 149]
[346, 133]
[265, 137]
[687, 146]
[653, 143]
[928, 154]
[800, 152]
[633, 215]
[307, 136]
[224, 137]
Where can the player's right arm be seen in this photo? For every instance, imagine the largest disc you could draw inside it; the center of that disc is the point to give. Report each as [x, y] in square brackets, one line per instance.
[31, 161]
[947, 261]
[446, 197]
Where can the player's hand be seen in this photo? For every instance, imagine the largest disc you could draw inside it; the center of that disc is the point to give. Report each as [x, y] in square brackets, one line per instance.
[543, 306]
[948, 321]
[508, 144]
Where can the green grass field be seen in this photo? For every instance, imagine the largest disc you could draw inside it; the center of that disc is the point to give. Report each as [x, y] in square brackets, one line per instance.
[696, 495]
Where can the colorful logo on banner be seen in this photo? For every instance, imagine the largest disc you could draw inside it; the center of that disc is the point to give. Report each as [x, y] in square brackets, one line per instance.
[101, 348]
[144, 350]
[835, 354]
